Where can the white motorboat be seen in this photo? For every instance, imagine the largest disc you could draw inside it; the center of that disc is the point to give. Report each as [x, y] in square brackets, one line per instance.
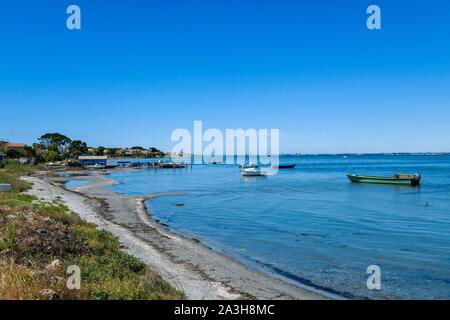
[253, 172]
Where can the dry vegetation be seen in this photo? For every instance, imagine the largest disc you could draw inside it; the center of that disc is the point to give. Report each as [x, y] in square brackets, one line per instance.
[38, 241]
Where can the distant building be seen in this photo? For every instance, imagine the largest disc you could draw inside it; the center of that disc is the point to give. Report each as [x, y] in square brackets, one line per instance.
[125, 152]
[137, 151]
[93, 160]
[18, 147]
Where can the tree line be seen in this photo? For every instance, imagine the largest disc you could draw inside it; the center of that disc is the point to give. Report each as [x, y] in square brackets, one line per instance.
[57, 147]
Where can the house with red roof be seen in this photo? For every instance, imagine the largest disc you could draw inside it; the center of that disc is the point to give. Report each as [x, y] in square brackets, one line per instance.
[19, 147]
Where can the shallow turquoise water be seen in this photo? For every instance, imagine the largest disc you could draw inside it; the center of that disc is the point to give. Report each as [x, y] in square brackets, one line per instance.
[311, 225]
[76, 183]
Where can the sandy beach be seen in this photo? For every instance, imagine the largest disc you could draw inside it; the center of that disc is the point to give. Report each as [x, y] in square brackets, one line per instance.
[198, 271]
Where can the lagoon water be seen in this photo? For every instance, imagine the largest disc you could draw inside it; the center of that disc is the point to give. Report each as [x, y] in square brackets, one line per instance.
[76, 183]
[312, 226]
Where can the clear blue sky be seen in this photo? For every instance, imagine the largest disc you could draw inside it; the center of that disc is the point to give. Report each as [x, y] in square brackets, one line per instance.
[139, 69]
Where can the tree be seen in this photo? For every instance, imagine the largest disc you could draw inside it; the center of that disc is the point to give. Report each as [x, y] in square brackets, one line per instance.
[3, 145]
[112, 151]
[39, 147]
[30, 152]
[101, 151]
[154, 152]
[55, 141]
[14, 154]
[52, 155]
[77, 148]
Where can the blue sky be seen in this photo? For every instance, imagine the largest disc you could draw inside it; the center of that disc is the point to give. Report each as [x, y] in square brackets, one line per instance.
[140, 69]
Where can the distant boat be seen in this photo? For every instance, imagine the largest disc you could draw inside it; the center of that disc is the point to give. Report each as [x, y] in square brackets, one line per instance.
[51, 164]
[284, 166]
[398, 179]
[168, 165]
[253, 172]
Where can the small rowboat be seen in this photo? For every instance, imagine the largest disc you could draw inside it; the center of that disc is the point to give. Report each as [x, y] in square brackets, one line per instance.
[398, 179]
[284, 166]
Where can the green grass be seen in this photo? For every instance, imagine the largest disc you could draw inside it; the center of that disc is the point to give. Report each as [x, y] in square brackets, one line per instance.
[11, 174]
[9, 239]
[34, 233]
[112, 274]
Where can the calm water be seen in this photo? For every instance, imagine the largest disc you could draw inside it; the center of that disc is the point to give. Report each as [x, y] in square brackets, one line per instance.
[76, 183]
[312, 226]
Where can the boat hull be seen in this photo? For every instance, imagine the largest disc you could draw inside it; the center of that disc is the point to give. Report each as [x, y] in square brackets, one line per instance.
[252, 172]
[285, 166]
[385, 180]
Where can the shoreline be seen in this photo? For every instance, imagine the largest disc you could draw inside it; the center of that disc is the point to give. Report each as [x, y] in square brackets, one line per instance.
[191, 266]
[324, 293]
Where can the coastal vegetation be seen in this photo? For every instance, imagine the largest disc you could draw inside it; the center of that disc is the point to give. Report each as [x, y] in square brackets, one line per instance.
[51, 147]
[40, 240]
